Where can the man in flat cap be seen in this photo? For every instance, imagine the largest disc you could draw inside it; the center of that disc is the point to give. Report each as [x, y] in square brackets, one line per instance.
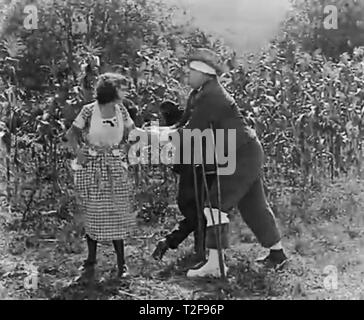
[211, 106]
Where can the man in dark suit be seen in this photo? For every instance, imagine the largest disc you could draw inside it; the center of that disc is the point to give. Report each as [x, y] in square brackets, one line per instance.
[186, 198]
[242, 187]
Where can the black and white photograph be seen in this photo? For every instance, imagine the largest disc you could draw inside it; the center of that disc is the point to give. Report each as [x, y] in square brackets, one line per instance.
[197, 151]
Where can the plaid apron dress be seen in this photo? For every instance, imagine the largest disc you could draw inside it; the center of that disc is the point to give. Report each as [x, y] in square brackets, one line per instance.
[103, 184]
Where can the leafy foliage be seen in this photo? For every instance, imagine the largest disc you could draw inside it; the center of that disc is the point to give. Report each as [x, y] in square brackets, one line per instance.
[307, 109]
[307, 25]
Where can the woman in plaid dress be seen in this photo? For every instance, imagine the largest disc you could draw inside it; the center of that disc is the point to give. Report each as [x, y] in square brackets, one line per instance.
[101, 172]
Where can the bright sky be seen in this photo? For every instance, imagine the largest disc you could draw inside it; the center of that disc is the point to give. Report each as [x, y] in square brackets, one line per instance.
[245, 25]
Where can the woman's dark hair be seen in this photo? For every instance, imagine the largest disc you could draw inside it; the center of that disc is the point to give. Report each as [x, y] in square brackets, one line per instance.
[108, 85]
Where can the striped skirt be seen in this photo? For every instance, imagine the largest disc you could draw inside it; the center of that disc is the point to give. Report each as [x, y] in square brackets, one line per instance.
[104, 191]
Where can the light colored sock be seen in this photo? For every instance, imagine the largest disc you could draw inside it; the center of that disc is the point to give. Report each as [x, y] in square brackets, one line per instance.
[213, 260]
[211, 268]
[277, 246]
[214, 257]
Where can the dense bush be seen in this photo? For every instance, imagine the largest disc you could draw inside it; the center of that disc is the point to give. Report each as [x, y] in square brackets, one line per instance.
[49, 73]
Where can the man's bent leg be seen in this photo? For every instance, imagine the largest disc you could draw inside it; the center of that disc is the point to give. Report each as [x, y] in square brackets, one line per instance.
[187, 205]
[176, 237]
[259, 216]
[185, 227]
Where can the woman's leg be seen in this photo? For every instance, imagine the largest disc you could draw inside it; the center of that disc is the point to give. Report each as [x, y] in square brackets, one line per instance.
[88, 268]
[92, 248]
[119, 249]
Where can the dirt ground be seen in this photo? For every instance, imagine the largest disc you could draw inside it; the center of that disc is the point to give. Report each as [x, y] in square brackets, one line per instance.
[326, 262]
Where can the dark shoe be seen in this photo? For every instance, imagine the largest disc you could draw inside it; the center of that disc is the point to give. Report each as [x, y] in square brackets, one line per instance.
[123, 272]
[198, 264]
[276, 259]
[87, 272]
[160, 250]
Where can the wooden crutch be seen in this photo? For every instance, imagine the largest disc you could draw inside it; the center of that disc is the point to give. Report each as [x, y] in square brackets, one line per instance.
[217, 232]
[200, 232]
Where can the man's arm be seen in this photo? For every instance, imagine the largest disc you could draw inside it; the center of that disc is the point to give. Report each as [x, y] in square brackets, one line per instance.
[188, 111]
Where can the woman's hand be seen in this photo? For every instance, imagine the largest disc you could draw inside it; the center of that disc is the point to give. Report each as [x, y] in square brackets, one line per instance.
[135, 134]
[162, 134]
[154, 133]
[80, 160]
[81, 157]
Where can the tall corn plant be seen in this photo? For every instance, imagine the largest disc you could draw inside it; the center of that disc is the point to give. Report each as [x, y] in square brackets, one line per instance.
[13, 49]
